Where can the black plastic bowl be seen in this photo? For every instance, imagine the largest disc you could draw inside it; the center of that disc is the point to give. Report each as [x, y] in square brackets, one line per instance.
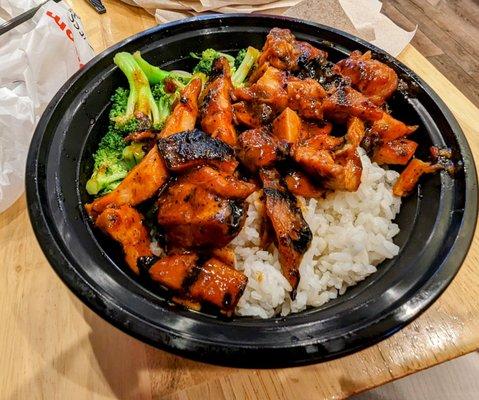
[437, 222]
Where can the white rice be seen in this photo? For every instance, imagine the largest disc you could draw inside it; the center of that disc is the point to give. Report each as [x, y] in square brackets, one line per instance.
[352, 234]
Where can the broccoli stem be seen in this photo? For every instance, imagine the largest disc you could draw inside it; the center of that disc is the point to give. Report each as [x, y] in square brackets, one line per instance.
[140, 98]
[154, 74]
[244, 68]
[157, 75]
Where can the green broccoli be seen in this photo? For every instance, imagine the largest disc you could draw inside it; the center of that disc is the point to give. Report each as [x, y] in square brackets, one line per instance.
[245, 60]
[133, 154]
[207, 59]
[140, 111]
[164, 100]
[112, 162]
[239, 58]
[156, 75]
[119, 102]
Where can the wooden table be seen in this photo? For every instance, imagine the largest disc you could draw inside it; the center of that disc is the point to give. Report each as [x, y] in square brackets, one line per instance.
[52, 347]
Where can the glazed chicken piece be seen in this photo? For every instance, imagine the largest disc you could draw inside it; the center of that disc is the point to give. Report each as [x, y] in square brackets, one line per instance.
[309, 129]
[252, 115]
[125, 225]
[279, 50]
[269, 89]
[220, 183]
[141, 183]
[278, 91]
[226, 255]
[193, 217]
[398, 152]
[354, 136]
[292, 233]
[409, 178]
[300, 184]
[211, 282]
[283, 51]
[140, 136]
[287, 127]
[216, 111]
[345, 102]
[371, 77]
[308, 54]
[388, 128]
[257, 149]
[186, 150]
[305, 96]
[316, 154]
[183, 117]
[334, 160]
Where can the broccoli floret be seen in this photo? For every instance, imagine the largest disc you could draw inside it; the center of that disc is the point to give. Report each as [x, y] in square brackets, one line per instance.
[208, 57]
[156, 75]
[164, 100]
[247, 59]
[112, 162]
[119, 102]
[141, 110]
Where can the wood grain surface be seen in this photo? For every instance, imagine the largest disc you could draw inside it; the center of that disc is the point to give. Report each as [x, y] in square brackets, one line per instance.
[52, 347]
[447, 35]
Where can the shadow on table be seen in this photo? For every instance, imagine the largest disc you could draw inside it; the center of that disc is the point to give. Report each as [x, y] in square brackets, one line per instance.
[104, 361]
[134, 370]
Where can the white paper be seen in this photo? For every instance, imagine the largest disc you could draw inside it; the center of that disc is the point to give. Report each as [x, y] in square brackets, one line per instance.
[36, 59]
[367, 19]
[364, 15]
[171, 10]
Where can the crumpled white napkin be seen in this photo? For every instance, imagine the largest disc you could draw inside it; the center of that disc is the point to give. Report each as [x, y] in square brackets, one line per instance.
[36, 59]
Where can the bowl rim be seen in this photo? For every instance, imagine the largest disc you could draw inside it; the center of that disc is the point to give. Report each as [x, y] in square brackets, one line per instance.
[379, 329]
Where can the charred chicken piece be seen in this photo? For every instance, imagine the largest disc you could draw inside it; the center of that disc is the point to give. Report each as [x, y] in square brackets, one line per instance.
[409, 178]
[372, 78]
[292, 233]
[252, 115]
[345, 102]
[211, 282]
[300, 184]
[334, 160]
[141, 183]
[257, 149]
[183, 116]
[220, 183]
[309, 55]
[354, 136]
[185, 150]
[193, 217]
[316, 156]
[124, 224]
[397, 152]
[216, 110]
[284, 52]
[305, 96]
[388, 128]
[278, 91]
[279, 50]
[269, 89]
